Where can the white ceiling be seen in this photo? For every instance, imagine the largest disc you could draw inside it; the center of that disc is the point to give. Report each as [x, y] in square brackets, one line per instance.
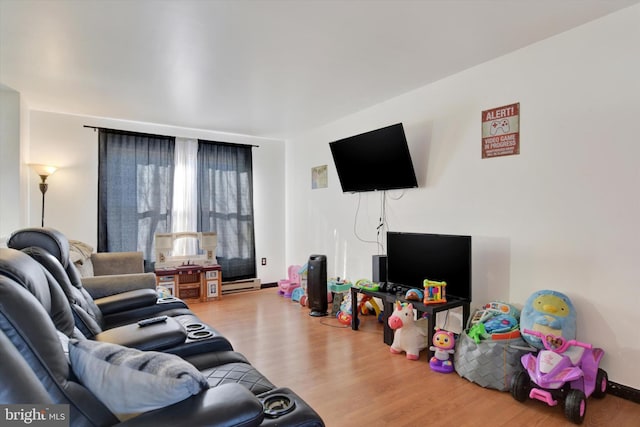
[263, 68]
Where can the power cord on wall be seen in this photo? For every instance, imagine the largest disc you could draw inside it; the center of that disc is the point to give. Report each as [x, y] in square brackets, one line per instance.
[383, 224]
[355, 228]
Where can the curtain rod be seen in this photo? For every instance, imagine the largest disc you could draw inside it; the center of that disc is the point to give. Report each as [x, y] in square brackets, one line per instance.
[162, 136]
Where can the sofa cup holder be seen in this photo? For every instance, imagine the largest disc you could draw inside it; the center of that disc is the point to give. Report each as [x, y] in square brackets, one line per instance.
[277, 405]
[200, 335]
[167, 299]
[192, 327]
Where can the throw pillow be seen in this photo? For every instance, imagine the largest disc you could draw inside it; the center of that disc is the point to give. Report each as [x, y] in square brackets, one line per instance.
[130, 381]
[80, 256]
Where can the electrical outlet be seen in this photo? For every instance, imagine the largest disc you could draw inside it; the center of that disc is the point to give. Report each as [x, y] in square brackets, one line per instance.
[264, 261]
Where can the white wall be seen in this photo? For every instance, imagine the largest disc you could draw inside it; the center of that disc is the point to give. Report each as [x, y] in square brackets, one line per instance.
[10, 199]
[71, 200]
[561, 215]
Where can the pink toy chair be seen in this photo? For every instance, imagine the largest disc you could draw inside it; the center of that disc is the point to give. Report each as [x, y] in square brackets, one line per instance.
[286, 286]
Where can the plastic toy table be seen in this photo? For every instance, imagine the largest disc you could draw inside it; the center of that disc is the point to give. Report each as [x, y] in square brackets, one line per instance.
[389, 299]
[338, 287]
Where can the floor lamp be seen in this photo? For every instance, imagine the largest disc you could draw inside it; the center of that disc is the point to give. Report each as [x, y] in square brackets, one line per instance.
[43, 171]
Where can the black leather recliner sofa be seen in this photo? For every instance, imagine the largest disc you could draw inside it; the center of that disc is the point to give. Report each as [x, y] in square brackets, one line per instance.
[35, 324]
[182, 331]
[27, 273]
[170, 335]
[109, 311]
[36, 371]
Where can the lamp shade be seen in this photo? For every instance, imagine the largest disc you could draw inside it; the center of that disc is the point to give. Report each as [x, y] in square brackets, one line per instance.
[43, 170]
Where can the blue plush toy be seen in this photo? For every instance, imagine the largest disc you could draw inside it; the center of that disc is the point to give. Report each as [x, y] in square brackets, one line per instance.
[549, 312]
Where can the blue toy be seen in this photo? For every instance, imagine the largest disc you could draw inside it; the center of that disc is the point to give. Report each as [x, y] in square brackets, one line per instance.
[414, 295]
[500, 324]
[548, 312]
[297, 294]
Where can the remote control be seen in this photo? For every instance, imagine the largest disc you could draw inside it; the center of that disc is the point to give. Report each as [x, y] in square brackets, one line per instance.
[152, 321]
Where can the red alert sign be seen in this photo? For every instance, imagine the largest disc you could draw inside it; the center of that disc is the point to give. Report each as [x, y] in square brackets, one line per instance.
[501, 131]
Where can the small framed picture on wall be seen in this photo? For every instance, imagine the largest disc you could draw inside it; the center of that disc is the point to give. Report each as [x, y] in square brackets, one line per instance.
[319, 177]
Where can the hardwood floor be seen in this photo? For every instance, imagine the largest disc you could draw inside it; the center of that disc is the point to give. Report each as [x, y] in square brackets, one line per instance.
[351, 379]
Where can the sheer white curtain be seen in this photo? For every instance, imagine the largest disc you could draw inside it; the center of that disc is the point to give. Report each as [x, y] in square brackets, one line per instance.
[185, 196]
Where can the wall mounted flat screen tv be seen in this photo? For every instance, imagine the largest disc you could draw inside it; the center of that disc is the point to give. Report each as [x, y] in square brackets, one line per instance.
[375, 160]
[413, 257]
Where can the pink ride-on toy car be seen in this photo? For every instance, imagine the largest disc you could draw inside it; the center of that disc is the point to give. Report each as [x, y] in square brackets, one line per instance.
[286, 286]
[564, 370]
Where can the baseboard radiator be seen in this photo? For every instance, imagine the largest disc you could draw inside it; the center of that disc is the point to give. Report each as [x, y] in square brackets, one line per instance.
[240, 286]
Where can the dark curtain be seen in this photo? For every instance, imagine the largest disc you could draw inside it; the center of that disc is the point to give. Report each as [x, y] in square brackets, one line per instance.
[135, 189]
[225, 205]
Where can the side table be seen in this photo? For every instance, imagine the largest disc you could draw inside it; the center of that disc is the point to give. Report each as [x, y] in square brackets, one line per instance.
[387, 308]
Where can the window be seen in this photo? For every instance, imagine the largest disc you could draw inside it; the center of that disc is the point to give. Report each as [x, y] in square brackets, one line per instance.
[225, 205]
[144, 187]
[135, 190]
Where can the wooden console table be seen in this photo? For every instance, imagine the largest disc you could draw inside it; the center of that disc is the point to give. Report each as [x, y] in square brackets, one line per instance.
[389, 299]
[191, 283]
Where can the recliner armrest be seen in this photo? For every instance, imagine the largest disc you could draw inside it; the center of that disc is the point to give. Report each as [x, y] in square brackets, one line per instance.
[103, 286]
[158, 336]
[175, 308]
[226, 405]
[127, 301]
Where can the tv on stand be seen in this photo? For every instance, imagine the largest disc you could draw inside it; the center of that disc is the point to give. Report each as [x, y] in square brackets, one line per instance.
[414, 257]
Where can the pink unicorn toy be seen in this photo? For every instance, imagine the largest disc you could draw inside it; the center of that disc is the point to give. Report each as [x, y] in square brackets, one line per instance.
[410, 335]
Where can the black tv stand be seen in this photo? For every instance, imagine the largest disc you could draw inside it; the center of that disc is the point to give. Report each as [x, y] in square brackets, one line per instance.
[388, 299]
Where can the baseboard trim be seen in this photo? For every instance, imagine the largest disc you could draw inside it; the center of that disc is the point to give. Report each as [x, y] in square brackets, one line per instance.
[268, 285]
[624, 391]
[240, 286]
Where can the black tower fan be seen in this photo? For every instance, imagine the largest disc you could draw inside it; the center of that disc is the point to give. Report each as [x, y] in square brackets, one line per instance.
[317, 285]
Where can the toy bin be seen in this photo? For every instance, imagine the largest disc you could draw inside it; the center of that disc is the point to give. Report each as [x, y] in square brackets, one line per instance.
[490, 363]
